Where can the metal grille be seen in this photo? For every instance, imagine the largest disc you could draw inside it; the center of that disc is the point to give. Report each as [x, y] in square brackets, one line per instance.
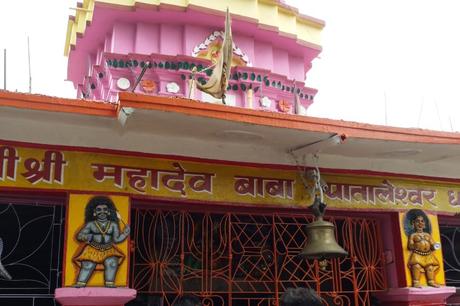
[248, 259]
[450, 239]
[32, 232]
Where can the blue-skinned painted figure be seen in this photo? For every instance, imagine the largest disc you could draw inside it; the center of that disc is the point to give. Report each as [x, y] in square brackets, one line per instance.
[100, 234]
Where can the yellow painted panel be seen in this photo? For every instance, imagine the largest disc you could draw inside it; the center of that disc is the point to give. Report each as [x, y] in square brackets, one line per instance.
[439, 278]
[246, 8]
[122, 2]
[287, 22]
[308, 33]
[81, 16]
[75, 221]
[267, 12]
[69, 36]
[181, 3]
[160, 176]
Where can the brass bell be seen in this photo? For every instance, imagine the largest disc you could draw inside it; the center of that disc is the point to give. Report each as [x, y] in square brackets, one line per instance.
[321, 243]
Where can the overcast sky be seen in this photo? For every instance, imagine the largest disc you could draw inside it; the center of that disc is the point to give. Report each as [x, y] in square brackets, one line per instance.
[404, 52]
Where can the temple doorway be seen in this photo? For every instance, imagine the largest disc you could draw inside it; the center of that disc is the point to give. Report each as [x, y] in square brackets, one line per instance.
[247, 256]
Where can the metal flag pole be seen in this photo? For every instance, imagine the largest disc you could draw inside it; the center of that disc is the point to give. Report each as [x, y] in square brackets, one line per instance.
[141, 75]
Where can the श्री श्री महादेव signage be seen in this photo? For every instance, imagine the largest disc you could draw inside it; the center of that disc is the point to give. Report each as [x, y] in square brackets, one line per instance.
[73, 169]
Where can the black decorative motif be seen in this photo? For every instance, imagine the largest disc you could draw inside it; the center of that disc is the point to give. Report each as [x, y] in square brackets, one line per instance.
[3, 273]
[450, 239]
[32, 234]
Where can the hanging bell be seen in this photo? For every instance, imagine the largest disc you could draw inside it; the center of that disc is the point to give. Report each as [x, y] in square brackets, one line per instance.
[321, 243]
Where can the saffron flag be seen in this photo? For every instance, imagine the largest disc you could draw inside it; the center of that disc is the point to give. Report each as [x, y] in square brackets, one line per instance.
[218, 82]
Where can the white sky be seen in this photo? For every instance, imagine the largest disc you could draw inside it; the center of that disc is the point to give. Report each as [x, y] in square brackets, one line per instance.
[406, 50]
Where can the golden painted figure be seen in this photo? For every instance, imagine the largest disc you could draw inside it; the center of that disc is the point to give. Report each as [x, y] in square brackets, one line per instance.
[100, 234]
[422, 259]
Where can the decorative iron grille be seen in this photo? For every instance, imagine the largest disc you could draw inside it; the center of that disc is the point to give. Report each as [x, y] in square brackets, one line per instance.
[450, 239]
[32, 233]
[248, 259]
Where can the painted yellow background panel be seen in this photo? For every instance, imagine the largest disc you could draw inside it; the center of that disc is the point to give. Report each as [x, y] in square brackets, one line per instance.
[75, 221]
[439, 278]
[345, 191]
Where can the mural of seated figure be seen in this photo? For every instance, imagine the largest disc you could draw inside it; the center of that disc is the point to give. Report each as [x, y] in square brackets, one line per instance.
[100, 234]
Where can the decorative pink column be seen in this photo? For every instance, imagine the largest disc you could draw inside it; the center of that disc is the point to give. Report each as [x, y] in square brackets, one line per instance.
[409, 296]
[94, 296]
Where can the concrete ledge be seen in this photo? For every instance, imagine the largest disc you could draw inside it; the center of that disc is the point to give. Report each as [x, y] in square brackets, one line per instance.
[415, 296]
[94, 296]
[454, 299]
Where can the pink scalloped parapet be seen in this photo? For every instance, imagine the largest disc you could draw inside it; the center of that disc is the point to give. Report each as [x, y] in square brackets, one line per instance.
[94, 296]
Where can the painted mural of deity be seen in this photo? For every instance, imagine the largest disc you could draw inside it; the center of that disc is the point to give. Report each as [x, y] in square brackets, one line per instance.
[100, 234]
[422, 247]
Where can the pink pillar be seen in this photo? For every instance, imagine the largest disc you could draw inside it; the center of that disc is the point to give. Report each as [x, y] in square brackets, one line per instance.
[409, 296]
[94, 296]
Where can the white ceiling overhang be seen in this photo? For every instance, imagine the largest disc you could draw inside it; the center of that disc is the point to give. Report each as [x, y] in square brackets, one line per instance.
[172, 131]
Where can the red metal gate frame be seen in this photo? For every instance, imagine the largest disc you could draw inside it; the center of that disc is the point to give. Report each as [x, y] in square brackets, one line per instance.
[242, 255]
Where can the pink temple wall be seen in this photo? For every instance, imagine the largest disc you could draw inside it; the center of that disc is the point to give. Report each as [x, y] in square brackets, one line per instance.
[280, 61]
[264, 53]
[246, 44]
[173, 39]
[108, 43]
[296, 68]
[193, 36]
[99, 55]
[92, 58]
[147, 38]
[123, 36]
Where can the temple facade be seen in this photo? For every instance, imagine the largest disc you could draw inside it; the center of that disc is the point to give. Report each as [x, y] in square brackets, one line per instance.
[147, 188]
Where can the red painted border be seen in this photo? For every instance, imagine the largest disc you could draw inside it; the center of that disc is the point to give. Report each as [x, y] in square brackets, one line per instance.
[348, 172]
[398, 251]
[450, 220]
[55, 104]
